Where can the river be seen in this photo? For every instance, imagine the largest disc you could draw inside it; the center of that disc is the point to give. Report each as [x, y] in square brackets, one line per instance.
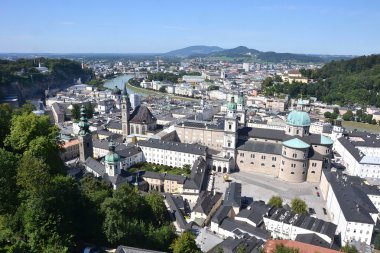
[119, 82]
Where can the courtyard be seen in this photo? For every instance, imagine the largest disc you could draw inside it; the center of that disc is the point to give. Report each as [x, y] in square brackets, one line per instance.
[263, 187]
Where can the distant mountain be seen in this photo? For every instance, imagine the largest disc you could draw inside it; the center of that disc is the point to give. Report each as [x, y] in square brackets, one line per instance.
[193, 50]
[236, 52]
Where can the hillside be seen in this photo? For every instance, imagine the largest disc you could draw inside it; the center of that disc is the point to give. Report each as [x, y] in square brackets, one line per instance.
[355, 81]
[242, 52]
[22, 77]
[193, 50]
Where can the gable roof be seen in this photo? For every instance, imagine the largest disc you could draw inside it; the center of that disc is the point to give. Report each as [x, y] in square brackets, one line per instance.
[142, 115]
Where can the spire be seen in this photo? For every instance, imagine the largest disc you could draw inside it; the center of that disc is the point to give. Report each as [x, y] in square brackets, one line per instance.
[111, 146]
[125, 92]
[112, 157]
[84, 126]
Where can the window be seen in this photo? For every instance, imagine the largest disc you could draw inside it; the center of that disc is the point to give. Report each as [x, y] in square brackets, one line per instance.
[252, 155]
[263, 157]
[304, 165]
[242, 154]
[293, 165]
[273, 166]
[241, 161]
[274, 158]
[252, 163]
[298, 131]
[294, 155]
[292, 172]
[229, 126]
[283, 162]
[313, 171]
[263, 164]
[284, 152]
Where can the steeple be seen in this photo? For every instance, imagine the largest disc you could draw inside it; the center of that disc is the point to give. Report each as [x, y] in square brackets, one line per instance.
[112, 160]
[84, 126]
[125, 106]
[84, 136]
[231, 107]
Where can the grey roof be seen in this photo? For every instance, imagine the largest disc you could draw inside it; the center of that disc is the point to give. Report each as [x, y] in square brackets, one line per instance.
[127, 249]
[128, 151]
[214, 125]
[180, 179]
[95, 166]
[303, 221]
[142, 115]
[313, 239]
[276, 135]
[232, 245]
[221, 214]
[152, 174]
[352, 197]
[239, 227]
[195, 149]
[261, 133]
[255, 212]
[232, 196]
[114, 125]
[206, 202]
[259, 146]
[175, 209]
[198, 178]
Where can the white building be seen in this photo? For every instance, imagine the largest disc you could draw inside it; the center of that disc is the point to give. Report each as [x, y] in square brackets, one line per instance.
[135, 100]
[171, 153]
[350, 207]
[246, 66]
[361, 154]
[287, 225]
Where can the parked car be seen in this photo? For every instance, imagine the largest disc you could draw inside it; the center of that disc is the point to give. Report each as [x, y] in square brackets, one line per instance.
[311, 211]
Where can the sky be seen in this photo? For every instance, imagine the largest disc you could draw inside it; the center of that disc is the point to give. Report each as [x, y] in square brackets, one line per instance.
[347, 27]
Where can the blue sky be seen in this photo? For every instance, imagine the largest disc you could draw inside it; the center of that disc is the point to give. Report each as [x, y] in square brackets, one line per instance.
[153, 26]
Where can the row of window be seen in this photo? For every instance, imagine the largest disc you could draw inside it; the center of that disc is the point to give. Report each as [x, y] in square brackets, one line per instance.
[263, 157]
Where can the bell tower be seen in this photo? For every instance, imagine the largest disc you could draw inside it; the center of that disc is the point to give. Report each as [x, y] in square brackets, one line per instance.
[230, 129]
[125, 107]
[84, 137]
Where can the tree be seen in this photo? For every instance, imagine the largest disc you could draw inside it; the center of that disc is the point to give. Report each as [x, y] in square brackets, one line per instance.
[268, 82]
[26, 127]
[347, 115]
[33, 176]
[373, 122]
[336, 110]
[162, 89]
[26, 108]
[213, 87]
[281, 248]
[89, 109]
[241, 249]
[75, 112]
[123, 216]
[8, 187]
[377, 242]
[327, 115]
[185, 244]
[159, 211]
[47, 150]
[349, 249]
[275, 201]
[5, 121]
[299, 206]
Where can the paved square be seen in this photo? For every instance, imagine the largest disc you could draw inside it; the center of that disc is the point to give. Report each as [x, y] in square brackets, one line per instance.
[263, 187]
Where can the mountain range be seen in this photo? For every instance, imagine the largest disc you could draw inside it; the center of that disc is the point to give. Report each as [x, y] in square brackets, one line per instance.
[245, 52]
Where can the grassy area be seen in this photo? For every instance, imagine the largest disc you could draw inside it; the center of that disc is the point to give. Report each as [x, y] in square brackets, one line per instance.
[352, 125]
[155, 93]
[186, 171]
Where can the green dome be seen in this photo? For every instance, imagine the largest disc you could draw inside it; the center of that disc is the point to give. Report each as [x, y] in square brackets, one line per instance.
[298, 118]
[84, 126]
[296, 143]
[112, 156]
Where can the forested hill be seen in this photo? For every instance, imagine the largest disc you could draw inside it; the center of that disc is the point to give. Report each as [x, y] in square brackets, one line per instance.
[347, 81]
[24, 78]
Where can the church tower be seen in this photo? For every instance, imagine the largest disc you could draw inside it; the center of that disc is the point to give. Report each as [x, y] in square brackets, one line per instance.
[112, 161]
[84, 137]
[125, 107]
[230, 129]
[241, 111]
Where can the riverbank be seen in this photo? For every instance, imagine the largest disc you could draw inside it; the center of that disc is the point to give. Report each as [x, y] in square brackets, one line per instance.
[139, 90]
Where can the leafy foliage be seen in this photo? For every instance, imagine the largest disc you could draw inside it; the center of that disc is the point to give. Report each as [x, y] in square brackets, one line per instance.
[185, 244]
[275, 201]
[281, 248]
[299, 206]
[349, 249]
